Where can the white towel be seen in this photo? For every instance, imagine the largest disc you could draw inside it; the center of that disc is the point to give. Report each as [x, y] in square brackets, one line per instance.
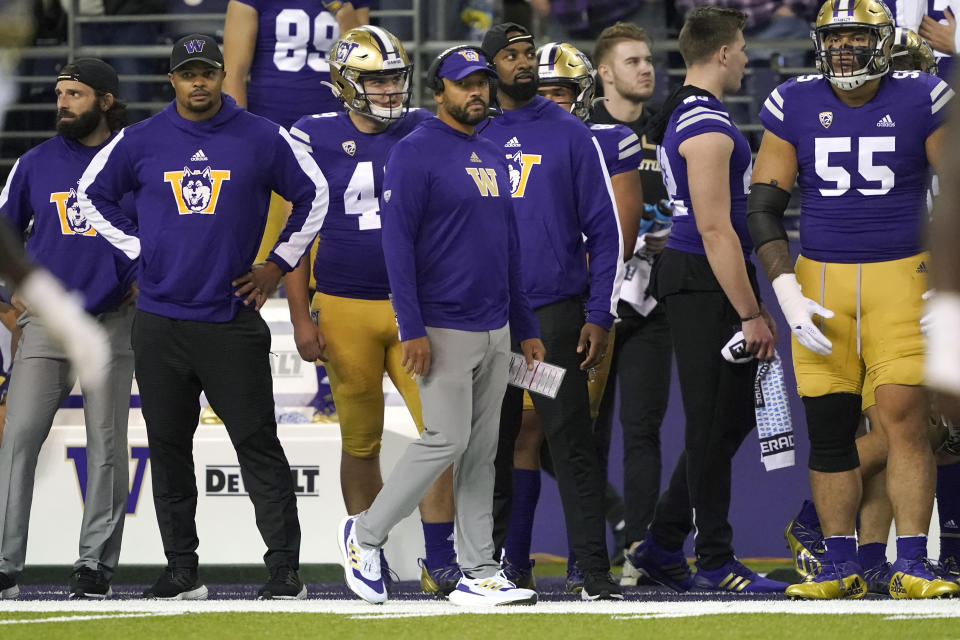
[774, 425]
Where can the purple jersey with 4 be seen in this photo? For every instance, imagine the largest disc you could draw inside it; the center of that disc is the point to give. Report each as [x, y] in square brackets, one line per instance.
[349, 257]
[863, 171]
[620, 147]
[290, 60]
[695, 116]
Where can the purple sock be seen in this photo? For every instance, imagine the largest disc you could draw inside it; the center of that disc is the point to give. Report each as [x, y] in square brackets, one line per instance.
[526, 492]
[948, 508]
[840, 549]
[808, 515]
[872, 554]
[911, 547]
[438, 543]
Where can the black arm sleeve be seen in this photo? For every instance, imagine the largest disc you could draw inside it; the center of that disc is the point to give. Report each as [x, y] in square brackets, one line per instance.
[765, 206]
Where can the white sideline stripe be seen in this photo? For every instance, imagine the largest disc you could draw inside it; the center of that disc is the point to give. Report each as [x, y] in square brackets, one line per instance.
[85, 618]
[689, 606]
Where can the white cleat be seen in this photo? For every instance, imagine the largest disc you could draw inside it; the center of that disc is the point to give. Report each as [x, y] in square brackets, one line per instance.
[492, 591]
[361, 565]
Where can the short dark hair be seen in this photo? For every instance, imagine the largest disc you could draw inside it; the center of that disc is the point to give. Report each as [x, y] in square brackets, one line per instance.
[706, 29]
[614, 35]
[117, 113]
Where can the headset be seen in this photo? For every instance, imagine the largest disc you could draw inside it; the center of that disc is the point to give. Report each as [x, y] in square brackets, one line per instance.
[435, 82]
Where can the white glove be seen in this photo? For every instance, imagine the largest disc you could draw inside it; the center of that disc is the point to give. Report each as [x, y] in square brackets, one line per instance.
[926, 320]
[799, 312]
[82, 338]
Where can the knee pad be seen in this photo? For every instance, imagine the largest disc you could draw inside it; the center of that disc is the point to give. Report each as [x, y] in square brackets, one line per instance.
[832, 422]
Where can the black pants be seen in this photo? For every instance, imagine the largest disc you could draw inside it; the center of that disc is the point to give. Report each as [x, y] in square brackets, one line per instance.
[718, 405]
[175, 361]
[569, 432]
[641, 370]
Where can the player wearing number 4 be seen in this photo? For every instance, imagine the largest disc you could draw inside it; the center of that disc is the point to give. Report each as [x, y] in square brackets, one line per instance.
[356, 331]
[862, 142]
[276, 51]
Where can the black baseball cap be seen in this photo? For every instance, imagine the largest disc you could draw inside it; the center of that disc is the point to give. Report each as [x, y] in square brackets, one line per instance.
[93, 72]
[196, 47]
[496, 38]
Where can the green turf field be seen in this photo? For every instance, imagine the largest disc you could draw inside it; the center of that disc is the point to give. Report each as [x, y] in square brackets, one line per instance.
[735, 618]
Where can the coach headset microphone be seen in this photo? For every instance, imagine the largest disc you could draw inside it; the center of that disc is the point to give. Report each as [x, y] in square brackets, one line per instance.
[435, 82]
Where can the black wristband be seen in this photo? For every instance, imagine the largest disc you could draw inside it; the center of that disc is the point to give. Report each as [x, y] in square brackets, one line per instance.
[752, 317]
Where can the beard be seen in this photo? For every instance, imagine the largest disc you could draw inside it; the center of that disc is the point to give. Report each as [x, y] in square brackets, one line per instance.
[633, 95]
[520, 91]
[461, 115]
[83, 124]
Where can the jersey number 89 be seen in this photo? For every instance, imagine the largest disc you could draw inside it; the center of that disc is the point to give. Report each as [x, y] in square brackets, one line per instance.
[294, 37]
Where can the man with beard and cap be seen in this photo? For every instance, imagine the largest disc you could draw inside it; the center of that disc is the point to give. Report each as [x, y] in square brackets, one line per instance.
[565, 209]
[42, 187]
[202, 194]
[453, 261]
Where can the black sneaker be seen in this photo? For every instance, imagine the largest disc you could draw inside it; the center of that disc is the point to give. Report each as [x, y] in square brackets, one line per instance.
[177, 583]
[8, 588]
[284, 584]
[600, 586]
[89, 583]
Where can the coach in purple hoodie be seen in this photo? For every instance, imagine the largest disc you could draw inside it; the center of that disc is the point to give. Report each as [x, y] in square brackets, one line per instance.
[201, 173]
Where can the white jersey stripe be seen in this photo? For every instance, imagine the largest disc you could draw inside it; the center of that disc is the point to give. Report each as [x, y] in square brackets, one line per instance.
[777, 98]
[291, 250]
[130, 245]
[939, 104]
[704, 116]
[5, 193]
[626, 153]
[937, 90]
[698, 110]
[772, 108]
[621, 269]
[300, 135]
[632, 138]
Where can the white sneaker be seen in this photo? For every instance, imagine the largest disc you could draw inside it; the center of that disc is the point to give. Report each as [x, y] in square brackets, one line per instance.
[490, 592]
[629, 574]
[361, 565]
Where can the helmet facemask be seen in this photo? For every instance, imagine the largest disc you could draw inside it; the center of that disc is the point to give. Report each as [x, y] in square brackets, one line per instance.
[364, 100]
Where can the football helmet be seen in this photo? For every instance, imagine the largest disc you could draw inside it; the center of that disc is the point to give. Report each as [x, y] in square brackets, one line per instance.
[873, 60]
[562, 63]
[910, 52]
[362, 53]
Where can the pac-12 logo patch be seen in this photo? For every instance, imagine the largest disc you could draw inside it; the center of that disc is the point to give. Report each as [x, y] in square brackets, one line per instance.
[350, 147]
[196, 191]
[826, 119]
[387, 194]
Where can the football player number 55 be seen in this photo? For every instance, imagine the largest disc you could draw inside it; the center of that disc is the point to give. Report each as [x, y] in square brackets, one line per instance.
[296, 32]
[840, 148]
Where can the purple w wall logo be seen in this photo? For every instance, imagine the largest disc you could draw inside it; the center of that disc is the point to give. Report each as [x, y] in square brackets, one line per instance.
[194, 46]
[140, 454]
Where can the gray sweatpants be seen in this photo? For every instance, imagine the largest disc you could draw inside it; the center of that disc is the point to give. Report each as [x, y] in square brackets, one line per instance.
[461, 398]
[40, 381]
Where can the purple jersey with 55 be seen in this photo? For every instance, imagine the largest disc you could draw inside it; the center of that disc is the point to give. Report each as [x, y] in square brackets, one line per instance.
[290, 60]
[349, 260]
[863, 171]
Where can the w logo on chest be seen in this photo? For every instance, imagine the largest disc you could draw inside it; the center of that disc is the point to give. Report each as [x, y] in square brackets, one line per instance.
[72, 222]
[196, 191]
[486, 181]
